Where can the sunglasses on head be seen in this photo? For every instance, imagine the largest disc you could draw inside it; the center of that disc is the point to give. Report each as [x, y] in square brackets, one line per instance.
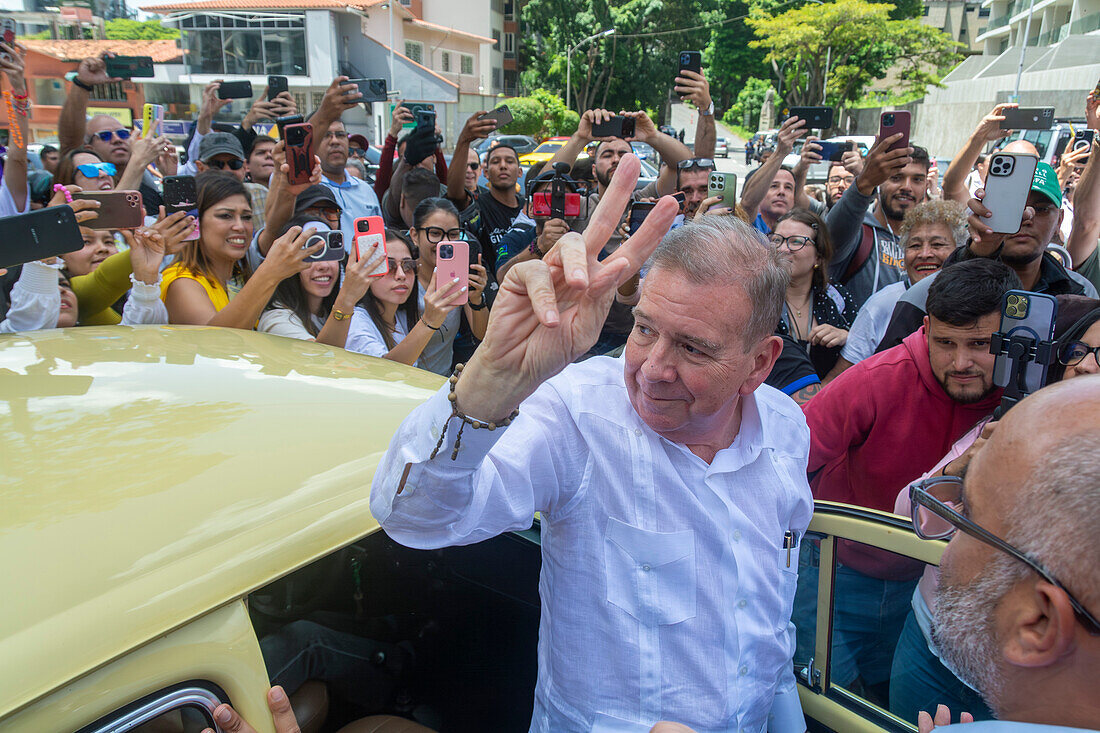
[695, 163]
[106, 135]
[94, 170]
[407, 264]
[221, 165]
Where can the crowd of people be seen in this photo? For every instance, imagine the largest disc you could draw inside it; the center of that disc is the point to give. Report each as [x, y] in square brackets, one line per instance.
[614, 380]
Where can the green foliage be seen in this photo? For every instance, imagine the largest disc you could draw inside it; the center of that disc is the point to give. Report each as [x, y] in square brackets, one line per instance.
[40, 36]
[122, 29]
[857, 42]
[728, 57]
[749, 101]
[557, 119]
[527, 116]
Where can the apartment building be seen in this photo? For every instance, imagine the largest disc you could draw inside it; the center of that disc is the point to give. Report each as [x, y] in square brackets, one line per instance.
[963, 20]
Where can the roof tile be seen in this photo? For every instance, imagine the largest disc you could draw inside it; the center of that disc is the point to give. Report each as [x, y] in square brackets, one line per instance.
[161, 51]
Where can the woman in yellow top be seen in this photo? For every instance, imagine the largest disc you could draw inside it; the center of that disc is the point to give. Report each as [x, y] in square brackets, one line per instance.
[209, 284]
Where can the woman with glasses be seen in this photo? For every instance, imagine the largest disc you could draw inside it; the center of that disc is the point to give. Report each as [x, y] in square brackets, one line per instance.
[816, 313]
[920, 680]
[309, 305]
[436, 220]
[388, 321]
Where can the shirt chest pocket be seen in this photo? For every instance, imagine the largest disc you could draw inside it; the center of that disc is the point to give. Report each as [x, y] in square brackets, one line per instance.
[650, 575]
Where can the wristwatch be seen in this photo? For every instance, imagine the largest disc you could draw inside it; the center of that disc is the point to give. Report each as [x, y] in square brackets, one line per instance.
[480, 306]
[71, 76]
[534, 249]
[709, 110]
[339, 315]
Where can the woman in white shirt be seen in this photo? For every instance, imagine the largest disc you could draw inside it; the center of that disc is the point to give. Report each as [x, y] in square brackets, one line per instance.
[387, 321]
[309, 306]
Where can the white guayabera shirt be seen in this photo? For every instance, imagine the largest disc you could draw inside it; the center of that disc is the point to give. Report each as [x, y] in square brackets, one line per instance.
[666, 588]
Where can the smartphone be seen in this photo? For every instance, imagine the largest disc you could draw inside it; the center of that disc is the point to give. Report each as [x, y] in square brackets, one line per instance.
[617, 126]
[501, 114]
[816, 118]
[1082, 139]
[452, 260]
[373, 90]
[543, 206]
[39, 234]
[891, 123]
[235, 90]
[425, 119]
[1007, 183]
[333, 239]
[7, 35]
[299, 142]
[691, 61]
[833, 151]
[370, 230]
[282, 122]
[1030, 315]
[276, 85]
[413, 108]
[1028, 118]
[127, 67]
[681, 198]
[639, 210]
[151, 117]
[724, 185]
[117, 209]
[181, 194]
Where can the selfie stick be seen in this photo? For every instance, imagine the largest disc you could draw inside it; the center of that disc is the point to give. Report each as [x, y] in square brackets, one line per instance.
[1020, 349]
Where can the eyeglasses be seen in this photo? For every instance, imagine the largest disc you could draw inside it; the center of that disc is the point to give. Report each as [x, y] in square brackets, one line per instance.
[1074, 352]
[474, 166]
[794, 242]
[695, 163]
[338, 134]
[235, 164]
[407, 264]
[438, 234]
[838, 179]
[937, 505]
[106, 135]
[95, 170]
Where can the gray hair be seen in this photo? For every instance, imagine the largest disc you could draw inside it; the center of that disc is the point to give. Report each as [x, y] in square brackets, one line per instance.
[948, 213]
[716, 250]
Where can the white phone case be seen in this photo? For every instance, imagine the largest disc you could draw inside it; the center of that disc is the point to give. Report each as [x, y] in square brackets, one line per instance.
[1007, 183]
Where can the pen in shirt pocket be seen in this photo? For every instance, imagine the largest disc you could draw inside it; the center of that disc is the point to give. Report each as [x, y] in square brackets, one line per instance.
[790, 541]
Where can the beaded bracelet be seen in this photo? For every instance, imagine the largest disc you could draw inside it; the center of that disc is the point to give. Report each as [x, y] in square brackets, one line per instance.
[68, 196]
[14, 132]
[475, 424]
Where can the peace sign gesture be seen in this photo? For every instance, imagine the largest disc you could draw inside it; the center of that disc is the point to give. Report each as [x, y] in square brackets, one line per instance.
[550, 311]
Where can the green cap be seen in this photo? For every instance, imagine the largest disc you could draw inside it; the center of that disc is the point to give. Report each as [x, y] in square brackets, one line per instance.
[1046, 183]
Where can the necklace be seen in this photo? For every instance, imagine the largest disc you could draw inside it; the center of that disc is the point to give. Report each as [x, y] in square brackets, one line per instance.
[798, 317]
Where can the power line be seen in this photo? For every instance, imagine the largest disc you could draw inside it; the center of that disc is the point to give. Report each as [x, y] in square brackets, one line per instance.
[698, 27]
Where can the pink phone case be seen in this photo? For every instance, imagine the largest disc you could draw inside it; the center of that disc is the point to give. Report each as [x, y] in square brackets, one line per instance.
[456, 265]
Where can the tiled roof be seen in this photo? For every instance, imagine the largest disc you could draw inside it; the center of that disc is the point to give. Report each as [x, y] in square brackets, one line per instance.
[161, 51]
[262, 4]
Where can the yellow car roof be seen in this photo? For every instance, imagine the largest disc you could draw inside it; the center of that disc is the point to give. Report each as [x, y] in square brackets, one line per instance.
[149, 475]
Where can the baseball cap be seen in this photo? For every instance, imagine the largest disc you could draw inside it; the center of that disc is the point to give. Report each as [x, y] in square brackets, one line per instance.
[360, 140]
[217, 143]
[317, 195]
[1046, 183]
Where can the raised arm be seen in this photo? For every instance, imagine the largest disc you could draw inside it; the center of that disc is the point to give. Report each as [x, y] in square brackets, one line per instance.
[72, 124]
[694, 88]
[756, 188]
[281, 195]
[339, 97]
[568, 153]
[811, 153]
[15, 168]
[989, 129]
[671, 150]
[1086, 197]
[474, 129]
[401, 115]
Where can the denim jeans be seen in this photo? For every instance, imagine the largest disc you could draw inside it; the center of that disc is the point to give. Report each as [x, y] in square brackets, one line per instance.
[920, 681]
[868, 615]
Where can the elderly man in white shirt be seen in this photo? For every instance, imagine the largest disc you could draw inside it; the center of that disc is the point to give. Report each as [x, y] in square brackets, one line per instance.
[671, 483]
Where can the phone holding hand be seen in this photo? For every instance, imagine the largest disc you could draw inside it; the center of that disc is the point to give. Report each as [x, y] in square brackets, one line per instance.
[370, 230]
[452, 261]
[299, 143]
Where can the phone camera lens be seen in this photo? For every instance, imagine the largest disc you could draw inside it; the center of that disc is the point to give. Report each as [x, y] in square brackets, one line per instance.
[446, 251]
[888, 120]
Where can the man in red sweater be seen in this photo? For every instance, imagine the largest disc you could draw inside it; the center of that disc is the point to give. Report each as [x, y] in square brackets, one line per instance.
[877, 427]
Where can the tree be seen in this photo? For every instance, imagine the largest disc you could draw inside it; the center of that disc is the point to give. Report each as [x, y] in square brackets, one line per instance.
[853, 42]
[728, 53]
[746, 110]
[122, 29]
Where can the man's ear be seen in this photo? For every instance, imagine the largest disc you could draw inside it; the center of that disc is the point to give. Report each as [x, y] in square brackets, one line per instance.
[201, 167]
[766, 351]
[925, 324]
[1039, 625]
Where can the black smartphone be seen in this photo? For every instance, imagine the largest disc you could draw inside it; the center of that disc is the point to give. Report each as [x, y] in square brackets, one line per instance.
[1082, 140]
[128, 67]
[276, 85]
[333, 249]
[180, 194]
[373, 90]
[816, 118]
[639, 210]
[617, 126]
[834, 150]
[501, 114]
[1028, 318]
[415, 107]
[39, 234]
[1028, 118]
[235, 90]
[425, 119]
[691, 61]
[282, 122]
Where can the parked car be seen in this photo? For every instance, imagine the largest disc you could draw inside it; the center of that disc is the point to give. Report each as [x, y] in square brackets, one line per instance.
[214, 491]
[522, 143]
[1050, 143]
[545, 151]
[720, 148]
[646, 152]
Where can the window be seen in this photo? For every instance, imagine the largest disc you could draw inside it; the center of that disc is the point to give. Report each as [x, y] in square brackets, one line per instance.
[300, 102]
[497, 79]
[316, 99]
[509, 9]
[467, 62]
[189, 706]
[112, 92]
[496, 38]
[445, 61]
[415, 51]
[49, 91]
[237, 45]
[509, 43]
[983, 13]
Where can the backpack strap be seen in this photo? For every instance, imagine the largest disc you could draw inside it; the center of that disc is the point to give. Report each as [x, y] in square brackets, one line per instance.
[866, 244]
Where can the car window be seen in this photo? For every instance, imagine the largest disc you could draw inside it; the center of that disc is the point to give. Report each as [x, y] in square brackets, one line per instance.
[185, 708]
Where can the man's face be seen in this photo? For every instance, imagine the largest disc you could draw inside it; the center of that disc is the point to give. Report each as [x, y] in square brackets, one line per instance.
[960, 357]
[49, 161]
[224, 163]
[927, 248]
[473, 169]
[840, 178]
[333, 149]
[903, 190]
[780, 196]
[686, 364]
[693, 184]
[1074, 177]
[114, 149]
[260, 163]
[502, 168]
[608, 155]
[1029, 243]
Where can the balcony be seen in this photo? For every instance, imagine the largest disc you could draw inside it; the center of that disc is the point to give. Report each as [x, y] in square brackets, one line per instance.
[1051, 37]
[998, 22]
[1088, 24]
